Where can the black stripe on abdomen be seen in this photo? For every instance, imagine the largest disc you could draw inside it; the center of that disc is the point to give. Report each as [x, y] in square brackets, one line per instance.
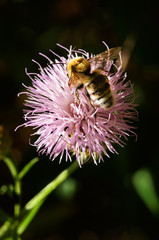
[98, 80]
[108, 102]
[101, 91]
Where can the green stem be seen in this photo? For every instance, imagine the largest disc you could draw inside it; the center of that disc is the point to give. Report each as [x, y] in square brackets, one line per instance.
[11, 165]
[5, 228]
[27, 167]
[17, 189]
[28, 218]
[23, 219]
[33, 206]
[17, 184]
[51, 186]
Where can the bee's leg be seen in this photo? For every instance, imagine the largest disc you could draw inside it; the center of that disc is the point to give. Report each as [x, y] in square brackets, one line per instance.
[77, 96]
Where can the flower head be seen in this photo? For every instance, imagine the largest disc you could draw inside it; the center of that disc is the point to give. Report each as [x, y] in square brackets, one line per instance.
[65, 125]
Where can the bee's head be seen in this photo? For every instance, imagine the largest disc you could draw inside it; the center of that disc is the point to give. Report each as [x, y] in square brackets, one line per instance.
[78, 65]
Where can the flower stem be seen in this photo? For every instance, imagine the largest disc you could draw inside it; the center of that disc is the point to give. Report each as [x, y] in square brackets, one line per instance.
[51, 186]
[17, 184]
[28, 218]
[17, 187]
[32, 207]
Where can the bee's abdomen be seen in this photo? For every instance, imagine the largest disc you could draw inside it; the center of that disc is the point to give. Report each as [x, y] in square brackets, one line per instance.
[107, 102]
[100, 92]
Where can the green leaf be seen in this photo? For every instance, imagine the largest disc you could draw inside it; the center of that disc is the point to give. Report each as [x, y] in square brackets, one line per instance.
[11, 165]
[24, 218]
[51, 186]
[144, 186]
[28, 218]
[27, 167]
[4, 228]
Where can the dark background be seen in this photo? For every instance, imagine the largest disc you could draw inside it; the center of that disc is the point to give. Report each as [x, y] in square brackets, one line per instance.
[104, 204]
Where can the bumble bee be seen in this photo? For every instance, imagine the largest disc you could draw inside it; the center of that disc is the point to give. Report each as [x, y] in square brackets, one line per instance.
[95, 82]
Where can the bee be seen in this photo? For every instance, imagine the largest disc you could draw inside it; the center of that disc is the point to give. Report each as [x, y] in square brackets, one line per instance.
[95, 82]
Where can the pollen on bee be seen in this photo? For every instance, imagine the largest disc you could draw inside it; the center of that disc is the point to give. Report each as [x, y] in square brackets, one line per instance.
[78, 65]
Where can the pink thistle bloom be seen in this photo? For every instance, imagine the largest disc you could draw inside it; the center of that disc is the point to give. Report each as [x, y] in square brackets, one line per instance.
[64, 125]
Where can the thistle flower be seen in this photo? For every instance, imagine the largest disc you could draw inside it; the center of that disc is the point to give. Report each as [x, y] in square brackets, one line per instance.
[64, 125]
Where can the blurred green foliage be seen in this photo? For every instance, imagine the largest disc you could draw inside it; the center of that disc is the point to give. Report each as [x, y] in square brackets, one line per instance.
[144, 185]
[106, 205]
[67, 190]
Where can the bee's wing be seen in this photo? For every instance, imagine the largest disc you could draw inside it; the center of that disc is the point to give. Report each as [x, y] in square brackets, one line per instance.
[104, 60]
